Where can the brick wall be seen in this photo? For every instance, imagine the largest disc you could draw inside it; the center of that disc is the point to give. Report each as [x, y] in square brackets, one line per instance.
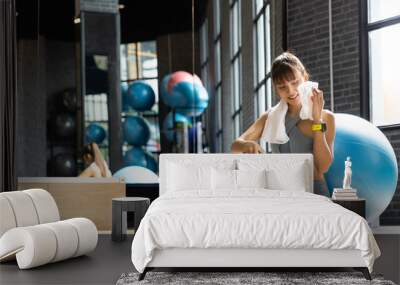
[308, 38]
[345, 39]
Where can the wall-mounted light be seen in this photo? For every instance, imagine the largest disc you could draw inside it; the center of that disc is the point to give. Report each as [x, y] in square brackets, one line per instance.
[77, 20]
[121, 6]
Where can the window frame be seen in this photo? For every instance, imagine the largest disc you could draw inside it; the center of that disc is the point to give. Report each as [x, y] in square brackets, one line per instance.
[204, 65]
[259, 84]
[236, 59]
[218, 79]
[365, 28]
[151, 115]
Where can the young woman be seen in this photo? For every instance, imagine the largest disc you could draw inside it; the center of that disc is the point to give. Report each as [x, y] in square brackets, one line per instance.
[305, 136]
[97, 166]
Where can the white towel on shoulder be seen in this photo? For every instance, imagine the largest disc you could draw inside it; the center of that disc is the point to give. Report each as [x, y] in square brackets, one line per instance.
[274, 128]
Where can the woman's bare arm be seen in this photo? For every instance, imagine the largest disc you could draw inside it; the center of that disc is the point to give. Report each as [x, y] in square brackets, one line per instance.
[247, 142]
[323, 144]
[98, 159]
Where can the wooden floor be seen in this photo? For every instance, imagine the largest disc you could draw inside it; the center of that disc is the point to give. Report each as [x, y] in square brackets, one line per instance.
[103, 266]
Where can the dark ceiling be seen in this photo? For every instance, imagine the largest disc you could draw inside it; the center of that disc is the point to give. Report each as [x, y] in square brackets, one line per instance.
[146, 19]
[141, 20]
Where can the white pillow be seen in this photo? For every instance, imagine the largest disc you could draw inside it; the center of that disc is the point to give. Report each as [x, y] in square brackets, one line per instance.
[251, 178]
[223, 179]
[291, 179]
[183, 177]
[286, 174]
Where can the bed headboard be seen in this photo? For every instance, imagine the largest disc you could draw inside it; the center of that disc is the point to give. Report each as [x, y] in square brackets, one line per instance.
[267, 160]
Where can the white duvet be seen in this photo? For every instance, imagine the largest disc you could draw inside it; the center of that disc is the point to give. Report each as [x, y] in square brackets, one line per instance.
[250, 219]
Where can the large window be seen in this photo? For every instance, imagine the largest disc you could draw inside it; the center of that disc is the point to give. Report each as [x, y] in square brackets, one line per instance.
[262, 57]
[381, 44]
[218, 77]
[236, 58]
[139, 63]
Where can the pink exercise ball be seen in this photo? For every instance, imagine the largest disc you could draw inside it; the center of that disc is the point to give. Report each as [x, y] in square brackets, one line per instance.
[182, 76]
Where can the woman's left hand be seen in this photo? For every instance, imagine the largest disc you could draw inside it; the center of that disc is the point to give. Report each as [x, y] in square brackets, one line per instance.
[317, 98]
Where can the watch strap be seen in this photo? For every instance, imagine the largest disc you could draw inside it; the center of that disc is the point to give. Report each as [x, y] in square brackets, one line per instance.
[320, 127]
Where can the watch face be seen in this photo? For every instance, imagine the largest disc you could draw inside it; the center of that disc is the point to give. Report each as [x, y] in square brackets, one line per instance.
[323, 127]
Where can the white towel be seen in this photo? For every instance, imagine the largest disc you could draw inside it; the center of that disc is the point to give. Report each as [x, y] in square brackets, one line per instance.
[305, 91]
[274, 128]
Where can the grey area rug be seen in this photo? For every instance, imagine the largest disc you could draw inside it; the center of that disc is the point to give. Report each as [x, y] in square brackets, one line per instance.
[225, 278]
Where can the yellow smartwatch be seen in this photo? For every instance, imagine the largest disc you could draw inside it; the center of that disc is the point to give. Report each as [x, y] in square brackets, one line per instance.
[320, 127]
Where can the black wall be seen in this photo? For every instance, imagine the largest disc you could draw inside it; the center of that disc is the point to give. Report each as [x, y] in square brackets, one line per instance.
[31, 108]
[45, 68]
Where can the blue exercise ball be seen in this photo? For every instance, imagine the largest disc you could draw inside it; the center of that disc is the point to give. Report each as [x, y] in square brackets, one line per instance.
[374, 165]
[136, 156]
[136, 131]
[168, 124]
[124, 95]
[95, 133]
[136, 174]
[192, 97]
[141, 96]
[165, 96]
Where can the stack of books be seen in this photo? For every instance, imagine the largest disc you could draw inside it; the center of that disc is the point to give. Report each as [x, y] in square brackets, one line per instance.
[344, 194]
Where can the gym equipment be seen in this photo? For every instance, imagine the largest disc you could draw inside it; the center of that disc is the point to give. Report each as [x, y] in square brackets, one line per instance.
[136, 156]
[136, 131]
[193, 98]
[137, 174]
[124, 95]
[168, 124]
[68, 98]
[141, 96]
[64, 164]
[165, 95]
[65, 124]
[95, 133]
[182, 76]
[374, 163]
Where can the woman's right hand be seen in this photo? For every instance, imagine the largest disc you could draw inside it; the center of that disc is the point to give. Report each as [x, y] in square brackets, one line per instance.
[246, 143]
[252, 147]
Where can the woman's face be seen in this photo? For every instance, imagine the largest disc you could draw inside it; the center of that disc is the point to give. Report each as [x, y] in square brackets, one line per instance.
[287, 90]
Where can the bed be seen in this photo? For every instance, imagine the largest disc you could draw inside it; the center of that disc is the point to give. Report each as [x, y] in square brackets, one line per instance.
[245, 211]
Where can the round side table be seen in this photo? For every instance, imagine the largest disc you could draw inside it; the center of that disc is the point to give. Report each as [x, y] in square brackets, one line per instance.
[120, 206]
